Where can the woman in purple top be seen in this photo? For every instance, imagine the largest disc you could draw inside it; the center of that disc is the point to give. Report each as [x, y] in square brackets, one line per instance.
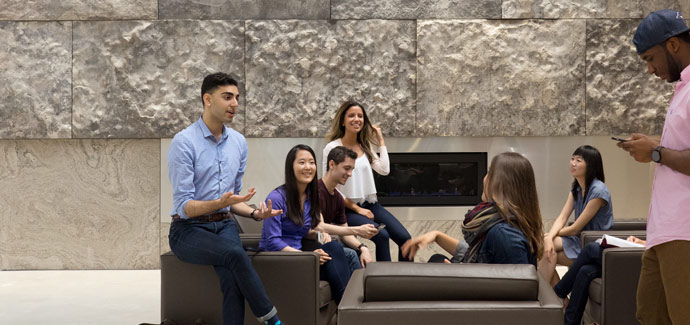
[298, 199]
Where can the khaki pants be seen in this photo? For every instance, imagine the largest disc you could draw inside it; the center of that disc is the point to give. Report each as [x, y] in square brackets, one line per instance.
[664, 287]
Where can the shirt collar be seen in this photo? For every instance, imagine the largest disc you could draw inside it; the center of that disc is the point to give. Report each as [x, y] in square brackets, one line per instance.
[207, 133]
[684, 78]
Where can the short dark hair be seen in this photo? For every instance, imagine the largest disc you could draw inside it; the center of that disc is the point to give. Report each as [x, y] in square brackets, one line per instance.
[215, 80]
[685, 37]
[338, 155]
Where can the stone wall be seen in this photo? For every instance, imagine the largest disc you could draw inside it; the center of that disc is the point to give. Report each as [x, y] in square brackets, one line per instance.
[89, 89]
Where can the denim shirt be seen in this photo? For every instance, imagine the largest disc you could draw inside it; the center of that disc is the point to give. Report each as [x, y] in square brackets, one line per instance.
[505, 244]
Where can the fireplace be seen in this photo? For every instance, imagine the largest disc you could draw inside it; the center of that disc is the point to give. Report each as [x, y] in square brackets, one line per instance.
[432, 179]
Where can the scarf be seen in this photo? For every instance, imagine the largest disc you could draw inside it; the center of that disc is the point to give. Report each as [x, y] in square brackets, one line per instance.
[476, 225]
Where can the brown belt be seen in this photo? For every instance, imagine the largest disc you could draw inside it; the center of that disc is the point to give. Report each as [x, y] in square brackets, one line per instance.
[213, 217]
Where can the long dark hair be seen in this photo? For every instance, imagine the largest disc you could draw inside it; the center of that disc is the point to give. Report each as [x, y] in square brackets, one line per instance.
[365, 137]
[294, 209]
[511, 186]
[595, 168]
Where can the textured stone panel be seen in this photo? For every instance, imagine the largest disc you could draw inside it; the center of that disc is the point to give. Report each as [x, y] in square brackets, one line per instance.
[142, 79]
[501, 78]
[622, 97]
[244, 9]
[78, 9]
[79, 204]
[35, 79]
[415, 9]
[299, 72]
[588, 9]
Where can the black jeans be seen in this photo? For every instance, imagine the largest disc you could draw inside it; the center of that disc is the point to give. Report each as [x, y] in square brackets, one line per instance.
[586, 268]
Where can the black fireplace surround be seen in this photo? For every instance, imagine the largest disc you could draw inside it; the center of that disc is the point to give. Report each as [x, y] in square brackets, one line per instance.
[432, 179]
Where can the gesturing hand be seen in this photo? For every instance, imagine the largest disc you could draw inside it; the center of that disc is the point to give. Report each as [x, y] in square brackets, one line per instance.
[265, 211]
[411, 246]
[230, 198]
[323, 256]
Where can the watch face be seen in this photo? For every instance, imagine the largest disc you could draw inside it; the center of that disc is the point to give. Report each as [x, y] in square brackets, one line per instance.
[656, 155]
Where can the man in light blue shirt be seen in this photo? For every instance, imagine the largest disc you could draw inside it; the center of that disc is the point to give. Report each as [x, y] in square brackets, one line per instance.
[206, 162]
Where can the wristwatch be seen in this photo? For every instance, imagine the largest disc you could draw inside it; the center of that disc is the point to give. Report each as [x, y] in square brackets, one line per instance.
[253, 217]
[359, 248]
[656, 154]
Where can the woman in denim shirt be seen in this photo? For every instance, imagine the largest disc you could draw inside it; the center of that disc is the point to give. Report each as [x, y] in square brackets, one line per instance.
[505, 228]
[590, 199]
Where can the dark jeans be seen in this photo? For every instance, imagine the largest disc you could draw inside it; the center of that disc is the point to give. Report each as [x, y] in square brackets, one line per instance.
[337, 270]
[394, 229]
[218, 244]
[586, 268]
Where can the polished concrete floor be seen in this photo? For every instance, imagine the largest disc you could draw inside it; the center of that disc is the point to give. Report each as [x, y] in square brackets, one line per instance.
[83, 297]
[79, 297]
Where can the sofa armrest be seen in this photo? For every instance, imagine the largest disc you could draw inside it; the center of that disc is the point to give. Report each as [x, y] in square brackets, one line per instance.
[354, 292]
[589, 236]
[291, 280]
[620, 275]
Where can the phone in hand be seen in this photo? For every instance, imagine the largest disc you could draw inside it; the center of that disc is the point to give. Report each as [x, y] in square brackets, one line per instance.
[381, 226]
[619, 139]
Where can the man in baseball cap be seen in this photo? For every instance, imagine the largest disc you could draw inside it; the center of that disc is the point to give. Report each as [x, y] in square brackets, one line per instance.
[663, 42]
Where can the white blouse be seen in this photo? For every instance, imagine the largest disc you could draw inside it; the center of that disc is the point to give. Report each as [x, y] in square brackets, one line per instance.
[360, 187]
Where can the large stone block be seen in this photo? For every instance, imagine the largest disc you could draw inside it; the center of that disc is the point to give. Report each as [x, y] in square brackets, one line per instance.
[35, 80]
[299, 72]
[415, 9]
[554, 9]
[244, 9]
[78, 9]
[501, 78]
[142, 79]
[622, 97]
[79, 204]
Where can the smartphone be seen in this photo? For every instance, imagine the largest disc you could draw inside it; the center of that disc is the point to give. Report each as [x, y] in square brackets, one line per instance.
[381, 226]
[619, 139]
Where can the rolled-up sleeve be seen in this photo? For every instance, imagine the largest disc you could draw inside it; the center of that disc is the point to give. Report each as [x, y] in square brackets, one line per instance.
[272, 231]
[181, 173]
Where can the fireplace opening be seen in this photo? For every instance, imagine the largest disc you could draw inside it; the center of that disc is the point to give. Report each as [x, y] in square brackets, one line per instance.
[432, 179]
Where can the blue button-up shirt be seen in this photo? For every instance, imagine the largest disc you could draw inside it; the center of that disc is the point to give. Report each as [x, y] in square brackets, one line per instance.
[201, 168]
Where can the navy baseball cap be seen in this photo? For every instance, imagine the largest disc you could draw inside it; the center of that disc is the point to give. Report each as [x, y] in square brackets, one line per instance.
[657, 27]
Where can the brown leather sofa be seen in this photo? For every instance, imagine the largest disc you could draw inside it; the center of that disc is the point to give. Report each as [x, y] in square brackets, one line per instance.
[612, 298]
[415, 293]
[190, 292]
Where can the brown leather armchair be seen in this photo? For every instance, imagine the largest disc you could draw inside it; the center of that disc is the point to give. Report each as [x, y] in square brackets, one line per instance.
[415, 293]
[190, 291]
[612, 298]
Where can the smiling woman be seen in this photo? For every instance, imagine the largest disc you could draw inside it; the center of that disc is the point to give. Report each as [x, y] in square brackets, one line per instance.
[352, 129]
[298, 197]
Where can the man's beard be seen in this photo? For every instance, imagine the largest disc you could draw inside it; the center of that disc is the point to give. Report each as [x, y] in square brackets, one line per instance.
[673, 69]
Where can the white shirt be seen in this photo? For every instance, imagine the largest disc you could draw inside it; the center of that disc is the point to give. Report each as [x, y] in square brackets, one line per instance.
[360, 187]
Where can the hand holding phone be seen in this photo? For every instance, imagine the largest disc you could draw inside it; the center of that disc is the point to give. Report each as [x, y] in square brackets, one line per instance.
[619, 139]
[381, 226]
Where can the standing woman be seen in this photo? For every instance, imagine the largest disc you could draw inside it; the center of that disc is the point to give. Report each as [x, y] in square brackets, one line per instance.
[351, 128]
[299, 200]
[590, 199]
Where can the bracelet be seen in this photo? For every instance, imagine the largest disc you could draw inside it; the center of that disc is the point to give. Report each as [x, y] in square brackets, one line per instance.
[253, 217]
[361, 245]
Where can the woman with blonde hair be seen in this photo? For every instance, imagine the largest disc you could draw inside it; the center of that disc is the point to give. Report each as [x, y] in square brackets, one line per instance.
[505, 228]
[352, 129]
